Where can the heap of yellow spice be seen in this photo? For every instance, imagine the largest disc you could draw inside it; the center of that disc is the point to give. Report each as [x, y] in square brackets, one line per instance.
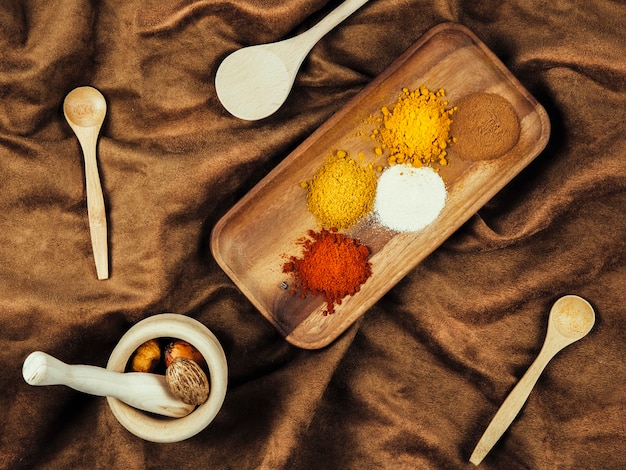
[417, 130]
[342, 191]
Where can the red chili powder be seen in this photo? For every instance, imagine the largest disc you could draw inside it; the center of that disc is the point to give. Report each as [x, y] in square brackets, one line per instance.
[332, 265]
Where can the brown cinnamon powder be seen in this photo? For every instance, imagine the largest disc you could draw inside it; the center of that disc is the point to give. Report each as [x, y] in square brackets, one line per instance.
[485, 127]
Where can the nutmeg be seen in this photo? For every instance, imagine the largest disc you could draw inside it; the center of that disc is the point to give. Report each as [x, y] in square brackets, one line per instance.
[180, 348]
[187, 381]
[147, 356]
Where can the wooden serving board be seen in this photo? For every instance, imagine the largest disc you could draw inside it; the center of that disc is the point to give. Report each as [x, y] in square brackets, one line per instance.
[251, 242]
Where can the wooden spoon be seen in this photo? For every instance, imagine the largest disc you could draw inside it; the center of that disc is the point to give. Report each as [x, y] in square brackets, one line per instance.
[85, 109]
[141, 390]
[571, 318]
[254, 82]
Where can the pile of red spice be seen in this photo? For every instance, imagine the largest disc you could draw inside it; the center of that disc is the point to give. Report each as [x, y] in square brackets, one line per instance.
[332, 265]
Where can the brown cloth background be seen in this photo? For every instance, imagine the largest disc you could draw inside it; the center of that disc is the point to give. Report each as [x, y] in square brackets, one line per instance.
[415, 382]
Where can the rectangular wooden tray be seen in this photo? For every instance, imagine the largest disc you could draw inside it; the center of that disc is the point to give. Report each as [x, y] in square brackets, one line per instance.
[253, 239]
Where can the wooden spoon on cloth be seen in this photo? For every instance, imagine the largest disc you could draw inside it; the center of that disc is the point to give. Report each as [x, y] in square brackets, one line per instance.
[141, 390]
[571, 318]
[254, 82]
[85, 109]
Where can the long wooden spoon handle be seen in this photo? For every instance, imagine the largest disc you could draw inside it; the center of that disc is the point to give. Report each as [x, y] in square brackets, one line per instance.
[148, 392]
[510, 407]
[95, 206]
[343, 11]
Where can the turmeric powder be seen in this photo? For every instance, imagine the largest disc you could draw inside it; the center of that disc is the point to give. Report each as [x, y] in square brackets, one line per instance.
[342, 191]
[417, 130]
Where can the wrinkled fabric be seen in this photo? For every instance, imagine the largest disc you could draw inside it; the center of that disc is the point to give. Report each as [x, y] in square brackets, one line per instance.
[414, 383]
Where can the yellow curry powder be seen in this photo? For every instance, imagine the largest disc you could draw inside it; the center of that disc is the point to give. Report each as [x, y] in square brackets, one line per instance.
[341, 191]
[417, 130]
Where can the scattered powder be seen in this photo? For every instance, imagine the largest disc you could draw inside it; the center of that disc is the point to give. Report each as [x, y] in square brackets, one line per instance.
[409, 199]
[342, 191]
[485, 127]
[417, 130]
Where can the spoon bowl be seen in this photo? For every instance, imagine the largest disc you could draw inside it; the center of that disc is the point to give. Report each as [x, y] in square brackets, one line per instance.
[252, 96]
[254, 82]
[571, 318]
[85, 109]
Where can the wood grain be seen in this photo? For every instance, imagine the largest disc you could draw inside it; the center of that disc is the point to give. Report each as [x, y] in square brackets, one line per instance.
[251, 241]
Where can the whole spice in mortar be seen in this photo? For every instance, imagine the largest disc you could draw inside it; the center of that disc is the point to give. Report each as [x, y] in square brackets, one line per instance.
[180, 348]
[485, 127]
[332, 265]
[409, 199]
[187, 381]
[342, 191]
[417, 130]
[147, 357]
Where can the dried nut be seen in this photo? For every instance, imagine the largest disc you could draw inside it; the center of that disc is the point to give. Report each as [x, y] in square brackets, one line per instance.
[146, 357]
[180, 348]
[187, 381]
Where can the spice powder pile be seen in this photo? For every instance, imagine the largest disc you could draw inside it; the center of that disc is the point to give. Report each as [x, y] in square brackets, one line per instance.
[409, 199]
[417, 130]
[342, 191]
[332, 265]
[485, 126]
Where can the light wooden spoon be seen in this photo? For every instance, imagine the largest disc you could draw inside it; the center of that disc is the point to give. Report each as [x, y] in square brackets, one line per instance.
[254, 82]
[571, 318]
[84, 109]
[144, 391]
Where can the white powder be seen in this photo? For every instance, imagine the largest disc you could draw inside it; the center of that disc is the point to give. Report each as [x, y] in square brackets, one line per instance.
[408, 199]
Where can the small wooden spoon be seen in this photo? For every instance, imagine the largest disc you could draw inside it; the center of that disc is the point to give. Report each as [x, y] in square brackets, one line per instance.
[254, 82]
[571, 318]
[144, 391]
[85, 109]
